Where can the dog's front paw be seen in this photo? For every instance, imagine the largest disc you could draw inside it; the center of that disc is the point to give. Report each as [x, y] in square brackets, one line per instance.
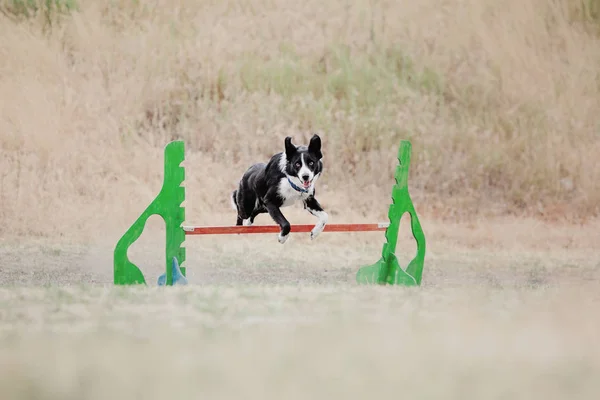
[323, 218]
[316, 231]
[282, 238]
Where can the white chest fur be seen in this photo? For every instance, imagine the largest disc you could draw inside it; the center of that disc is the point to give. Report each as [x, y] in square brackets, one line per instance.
[291, 195]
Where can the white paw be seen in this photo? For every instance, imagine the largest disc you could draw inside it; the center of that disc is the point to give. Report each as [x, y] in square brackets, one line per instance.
[316, 231]
[282, 239]
[247, 222]
[323, 218]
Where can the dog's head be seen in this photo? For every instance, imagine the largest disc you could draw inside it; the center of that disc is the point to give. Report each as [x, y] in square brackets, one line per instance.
[303, 163]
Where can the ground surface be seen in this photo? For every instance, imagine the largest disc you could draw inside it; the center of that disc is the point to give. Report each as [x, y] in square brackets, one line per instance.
[507, 309]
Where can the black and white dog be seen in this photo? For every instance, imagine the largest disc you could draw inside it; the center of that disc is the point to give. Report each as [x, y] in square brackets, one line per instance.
[288, 177]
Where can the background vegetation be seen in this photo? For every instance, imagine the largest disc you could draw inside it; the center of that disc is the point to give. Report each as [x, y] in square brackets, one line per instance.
[500, 101]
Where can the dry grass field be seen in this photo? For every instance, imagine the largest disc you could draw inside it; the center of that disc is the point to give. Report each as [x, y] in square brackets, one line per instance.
[499, 99]
[508, 309]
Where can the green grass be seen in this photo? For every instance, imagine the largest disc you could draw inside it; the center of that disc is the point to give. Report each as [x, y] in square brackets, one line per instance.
[29, 8]
[355, 81]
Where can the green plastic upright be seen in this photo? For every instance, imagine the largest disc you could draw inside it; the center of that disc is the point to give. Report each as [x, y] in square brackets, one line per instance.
[167, 204]
[387, 270]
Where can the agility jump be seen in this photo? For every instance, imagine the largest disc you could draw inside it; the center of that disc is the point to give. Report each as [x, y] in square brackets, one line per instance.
[168, 204]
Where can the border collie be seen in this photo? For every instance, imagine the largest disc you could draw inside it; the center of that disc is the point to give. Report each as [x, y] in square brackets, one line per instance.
[288, 177]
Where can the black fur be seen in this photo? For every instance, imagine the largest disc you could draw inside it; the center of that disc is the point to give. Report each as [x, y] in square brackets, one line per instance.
[265, 188]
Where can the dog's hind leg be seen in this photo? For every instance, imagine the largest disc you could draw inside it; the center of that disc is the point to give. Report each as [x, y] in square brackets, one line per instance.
[313, 207]
[255, 213]
[234, 204]
[247, 208]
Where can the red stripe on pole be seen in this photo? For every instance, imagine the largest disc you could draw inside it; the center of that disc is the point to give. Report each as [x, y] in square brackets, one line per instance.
[229, 230]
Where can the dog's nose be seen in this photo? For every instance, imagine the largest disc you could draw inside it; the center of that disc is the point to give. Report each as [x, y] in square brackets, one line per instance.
[305, 178]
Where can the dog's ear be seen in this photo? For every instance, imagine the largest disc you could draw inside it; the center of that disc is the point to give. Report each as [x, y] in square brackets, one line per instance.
[290, 149]
[314, 146]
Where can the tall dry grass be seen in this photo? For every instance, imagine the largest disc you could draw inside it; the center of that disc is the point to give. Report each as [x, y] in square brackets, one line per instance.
[500, 101]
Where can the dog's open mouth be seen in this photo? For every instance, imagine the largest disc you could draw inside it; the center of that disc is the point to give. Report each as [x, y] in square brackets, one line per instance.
[306, 184]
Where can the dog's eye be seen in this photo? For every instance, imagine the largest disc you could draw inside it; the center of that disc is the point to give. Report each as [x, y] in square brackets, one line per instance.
[298, 165]
[311, 163]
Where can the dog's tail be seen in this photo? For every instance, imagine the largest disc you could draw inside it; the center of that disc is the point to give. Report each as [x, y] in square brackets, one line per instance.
[234, 200]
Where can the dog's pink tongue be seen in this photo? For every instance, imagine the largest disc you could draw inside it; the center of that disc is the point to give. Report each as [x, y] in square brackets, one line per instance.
[306, 184]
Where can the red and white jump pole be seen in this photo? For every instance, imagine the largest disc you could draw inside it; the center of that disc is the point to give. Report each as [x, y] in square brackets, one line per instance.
[238, 229]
